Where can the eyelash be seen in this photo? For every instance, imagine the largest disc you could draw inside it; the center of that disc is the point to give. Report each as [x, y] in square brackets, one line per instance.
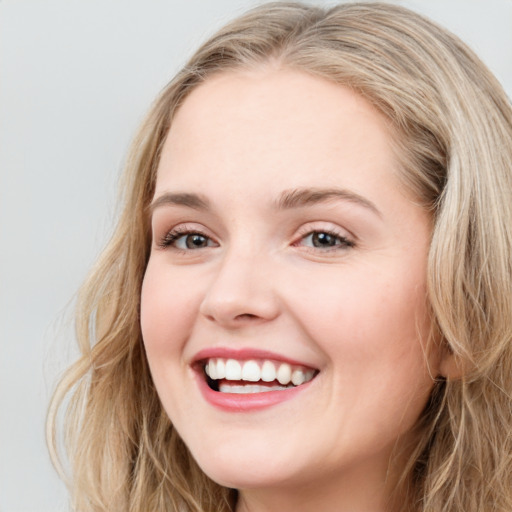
[341, 242]
[170, 238]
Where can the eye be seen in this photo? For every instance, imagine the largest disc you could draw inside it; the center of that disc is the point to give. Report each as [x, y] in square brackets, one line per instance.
[186, 240]
[325, 240]
[192, 241]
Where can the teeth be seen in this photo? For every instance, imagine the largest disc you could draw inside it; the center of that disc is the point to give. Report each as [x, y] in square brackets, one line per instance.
[212, 368]
[268, 372]
[249, 388]
[216, 369]
[254, 371]
[221, 369]
[298, 377]
[251, 371]
[284, 374]
[233, 370]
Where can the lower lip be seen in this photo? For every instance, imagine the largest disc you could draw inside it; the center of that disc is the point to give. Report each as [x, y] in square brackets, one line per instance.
[234, 402]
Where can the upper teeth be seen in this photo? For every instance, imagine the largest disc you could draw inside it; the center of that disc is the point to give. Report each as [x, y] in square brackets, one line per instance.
[253, 371]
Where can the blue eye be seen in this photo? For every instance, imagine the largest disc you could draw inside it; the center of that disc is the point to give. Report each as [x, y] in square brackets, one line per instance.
[325, 240]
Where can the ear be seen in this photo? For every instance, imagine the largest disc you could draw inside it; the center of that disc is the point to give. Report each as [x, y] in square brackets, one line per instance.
[451, 367]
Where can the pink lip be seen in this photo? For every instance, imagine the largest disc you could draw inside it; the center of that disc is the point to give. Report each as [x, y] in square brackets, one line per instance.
[232, 402]
[244, 354]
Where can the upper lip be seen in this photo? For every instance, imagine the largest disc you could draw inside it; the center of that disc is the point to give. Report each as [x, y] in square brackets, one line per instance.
[245, 354]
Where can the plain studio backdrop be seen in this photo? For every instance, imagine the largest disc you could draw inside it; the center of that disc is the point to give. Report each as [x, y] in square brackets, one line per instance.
[76, 77]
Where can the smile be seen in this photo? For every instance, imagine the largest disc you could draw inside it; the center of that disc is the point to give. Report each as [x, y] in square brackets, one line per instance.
[254, 376]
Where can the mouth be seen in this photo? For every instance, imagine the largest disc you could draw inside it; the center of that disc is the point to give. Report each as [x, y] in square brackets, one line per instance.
[253, 376]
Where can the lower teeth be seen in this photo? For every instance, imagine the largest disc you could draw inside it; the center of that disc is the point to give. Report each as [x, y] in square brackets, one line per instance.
[249, 388]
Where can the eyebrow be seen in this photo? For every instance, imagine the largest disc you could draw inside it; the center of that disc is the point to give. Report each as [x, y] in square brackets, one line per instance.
[300, 197]
[289, 199]
[195, 201]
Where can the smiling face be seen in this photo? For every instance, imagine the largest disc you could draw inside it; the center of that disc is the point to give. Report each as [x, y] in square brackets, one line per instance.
[288, 264]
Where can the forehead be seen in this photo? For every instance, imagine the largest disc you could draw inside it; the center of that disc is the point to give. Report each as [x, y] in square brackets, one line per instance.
[272, 126]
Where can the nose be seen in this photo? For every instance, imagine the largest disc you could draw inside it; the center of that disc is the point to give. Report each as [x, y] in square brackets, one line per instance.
[241, 292]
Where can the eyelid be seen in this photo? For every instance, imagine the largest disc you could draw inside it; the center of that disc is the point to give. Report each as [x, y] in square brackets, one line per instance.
[169, 236]
[346, 237]
[327, 227]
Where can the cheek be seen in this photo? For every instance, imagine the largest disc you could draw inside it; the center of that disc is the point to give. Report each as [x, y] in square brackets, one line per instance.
[168, 308]
[367, 309]
[373, 327]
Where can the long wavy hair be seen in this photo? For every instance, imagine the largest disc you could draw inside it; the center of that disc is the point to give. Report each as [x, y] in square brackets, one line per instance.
[452, 125]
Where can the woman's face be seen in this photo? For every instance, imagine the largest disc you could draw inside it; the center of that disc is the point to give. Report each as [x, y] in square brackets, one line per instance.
[285, 248]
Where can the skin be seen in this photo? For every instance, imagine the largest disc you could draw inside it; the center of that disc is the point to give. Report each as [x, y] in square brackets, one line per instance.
[356, 312]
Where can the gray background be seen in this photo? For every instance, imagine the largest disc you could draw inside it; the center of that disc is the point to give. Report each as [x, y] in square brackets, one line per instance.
[76, 77]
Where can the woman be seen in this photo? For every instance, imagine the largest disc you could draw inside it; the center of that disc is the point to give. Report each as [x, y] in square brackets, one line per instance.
[307, 300]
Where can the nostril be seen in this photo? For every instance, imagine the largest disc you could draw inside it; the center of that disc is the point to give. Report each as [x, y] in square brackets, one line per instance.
[246, 316]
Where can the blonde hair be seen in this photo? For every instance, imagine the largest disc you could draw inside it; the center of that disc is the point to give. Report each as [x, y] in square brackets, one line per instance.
[453, 130]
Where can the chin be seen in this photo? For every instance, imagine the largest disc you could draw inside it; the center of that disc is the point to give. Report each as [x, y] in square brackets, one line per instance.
[245, 472]
[246, 478]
